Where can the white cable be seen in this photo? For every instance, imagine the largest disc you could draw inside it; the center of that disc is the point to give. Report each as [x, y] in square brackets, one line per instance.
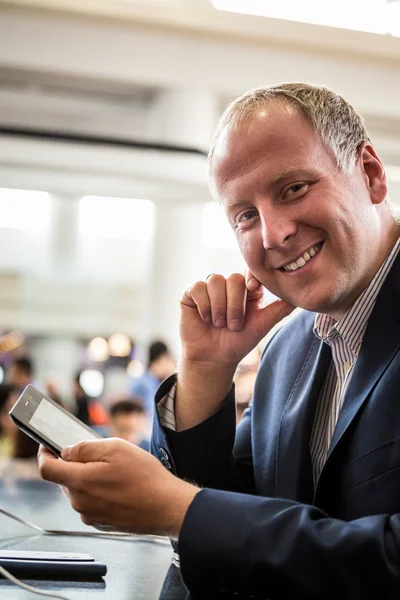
[23, 521]
[30, 588]
[105, 534]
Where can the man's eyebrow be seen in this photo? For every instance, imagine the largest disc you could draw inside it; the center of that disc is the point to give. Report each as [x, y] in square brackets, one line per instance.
[234, 204]
[289, 173]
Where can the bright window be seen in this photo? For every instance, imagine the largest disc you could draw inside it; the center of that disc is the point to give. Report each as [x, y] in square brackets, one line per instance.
[118, 218]
[216, 231]
[25, 210]
[375, 16]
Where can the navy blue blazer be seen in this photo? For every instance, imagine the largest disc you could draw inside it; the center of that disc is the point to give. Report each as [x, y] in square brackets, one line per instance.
[259, 528]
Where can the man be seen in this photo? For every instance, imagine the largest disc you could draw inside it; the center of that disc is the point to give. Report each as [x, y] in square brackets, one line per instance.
[160, 366]
[82, 401]
[305, 501]
[21, 372]
[128, 422]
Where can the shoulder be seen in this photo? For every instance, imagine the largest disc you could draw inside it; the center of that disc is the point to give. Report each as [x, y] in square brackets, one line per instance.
[293, 336]
[142, 382]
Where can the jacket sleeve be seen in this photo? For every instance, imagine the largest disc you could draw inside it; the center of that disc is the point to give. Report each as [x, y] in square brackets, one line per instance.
[250, 547]
[212, 454]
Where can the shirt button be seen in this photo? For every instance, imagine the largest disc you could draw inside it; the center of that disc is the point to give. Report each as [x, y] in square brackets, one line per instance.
[347, 366]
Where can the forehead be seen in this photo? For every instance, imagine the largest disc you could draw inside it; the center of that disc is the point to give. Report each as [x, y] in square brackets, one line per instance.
[273, 139]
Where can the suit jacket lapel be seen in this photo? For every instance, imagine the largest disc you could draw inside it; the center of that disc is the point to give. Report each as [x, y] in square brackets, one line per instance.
[294, 471]
[381, 343]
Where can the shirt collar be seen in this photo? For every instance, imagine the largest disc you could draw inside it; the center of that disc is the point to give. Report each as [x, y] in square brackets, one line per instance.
[353, 324]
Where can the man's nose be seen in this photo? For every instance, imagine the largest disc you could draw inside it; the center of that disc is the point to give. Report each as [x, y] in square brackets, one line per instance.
[277, 229]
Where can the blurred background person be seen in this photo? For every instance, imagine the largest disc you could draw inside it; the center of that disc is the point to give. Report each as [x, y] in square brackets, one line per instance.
[129, 422]
[17, 450]
[21, 372]
[82, 401]
[8, 397]
[160, 365]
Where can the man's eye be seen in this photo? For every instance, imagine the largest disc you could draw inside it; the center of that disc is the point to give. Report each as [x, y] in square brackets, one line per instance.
[294, 189]
[246, 216]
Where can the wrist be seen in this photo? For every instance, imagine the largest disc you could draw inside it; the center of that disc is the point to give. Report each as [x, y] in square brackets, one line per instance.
[178, 500]
[201, 390]
[197, 376]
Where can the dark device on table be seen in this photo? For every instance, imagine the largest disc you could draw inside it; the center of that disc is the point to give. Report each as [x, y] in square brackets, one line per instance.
[51, 565]
[47, 422]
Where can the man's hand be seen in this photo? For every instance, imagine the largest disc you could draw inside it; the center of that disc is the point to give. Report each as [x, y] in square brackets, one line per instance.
[116, 485]
[222, 320]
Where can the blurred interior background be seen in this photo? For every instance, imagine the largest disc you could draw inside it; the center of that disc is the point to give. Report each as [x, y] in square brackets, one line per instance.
[107, 108]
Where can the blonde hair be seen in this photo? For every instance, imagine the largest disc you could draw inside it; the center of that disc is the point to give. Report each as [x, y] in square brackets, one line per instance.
[338, 124]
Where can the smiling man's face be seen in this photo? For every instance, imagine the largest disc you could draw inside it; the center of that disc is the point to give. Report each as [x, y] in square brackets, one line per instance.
[310, 233]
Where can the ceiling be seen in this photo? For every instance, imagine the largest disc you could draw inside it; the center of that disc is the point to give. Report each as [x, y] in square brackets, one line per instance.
[201, 17]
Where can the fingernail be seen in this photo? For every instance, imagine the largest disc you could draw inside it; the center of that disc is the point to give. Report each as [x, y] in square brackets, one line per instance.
[66, 453]
[220, 322]
[207, 318]
[235, 325]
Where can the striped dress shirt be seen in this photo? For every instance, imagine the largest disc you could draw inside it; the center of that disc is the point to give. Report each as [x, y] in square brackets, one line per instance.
[345, 339]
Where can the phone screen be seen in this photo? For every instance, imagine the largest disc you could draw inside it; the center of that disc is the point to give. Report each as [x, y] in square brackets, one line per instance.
[58, 426]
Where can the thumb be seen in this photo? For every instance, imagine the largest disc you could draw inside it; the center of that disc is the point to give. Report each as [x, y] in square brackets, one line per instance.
[83, 452]
[272, 314]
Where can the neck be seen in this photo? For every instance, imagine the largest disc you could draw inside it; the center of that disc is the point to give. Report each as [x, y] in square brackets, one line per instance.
[388, 241]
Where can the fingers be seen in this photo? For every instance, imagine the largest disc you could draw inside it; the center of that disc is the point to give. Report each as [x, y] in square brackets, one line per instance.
[252, 283]
[236, 293]
[73, 470]
[57, 471]
[220, 301]
[197, 297]
[44, 452]
[216, 289]
[89, 451]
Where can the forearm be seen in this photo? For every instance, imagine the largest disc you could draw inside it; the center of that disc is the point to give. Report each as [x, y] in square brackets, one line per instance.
[282, 549]
[201, 391]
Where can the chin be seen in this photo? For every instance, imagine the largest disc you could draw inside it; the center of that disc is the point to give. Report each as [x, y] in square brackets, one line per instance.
[324, 305]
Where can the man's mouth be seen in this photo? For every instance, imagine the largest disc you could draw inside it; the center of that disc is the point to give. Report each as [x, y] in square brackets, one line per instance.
[303, 259]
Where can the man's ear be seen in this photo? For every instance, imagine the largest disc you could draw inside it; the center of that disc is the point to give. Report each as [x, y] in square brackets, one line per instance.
[374, 173]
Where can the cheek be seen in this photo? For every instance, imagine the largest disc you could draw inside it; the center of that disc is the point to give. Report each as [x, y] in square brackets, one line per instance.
[251, 249]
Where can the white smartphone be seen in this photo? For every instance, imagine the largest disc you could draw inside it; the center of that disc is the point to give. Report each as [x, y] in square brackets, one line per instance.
[47, 422]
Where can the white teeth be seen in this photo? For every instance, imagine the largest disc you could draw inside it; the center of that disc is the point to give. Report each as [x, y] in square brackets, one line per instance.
[301, 262]
[303, 259]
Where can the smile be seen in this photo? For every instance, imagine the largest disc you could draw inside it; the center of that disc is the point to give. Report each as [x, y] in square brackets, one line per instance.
[303, 259]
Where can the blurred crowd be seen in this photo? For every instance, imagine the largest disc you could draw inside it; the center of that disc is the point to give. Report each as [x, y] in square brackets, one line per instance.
[128, 417]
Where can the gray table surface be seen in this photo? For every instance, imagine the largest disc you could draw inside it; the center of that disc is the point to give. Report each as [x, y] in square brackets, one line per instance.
[136, 567]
